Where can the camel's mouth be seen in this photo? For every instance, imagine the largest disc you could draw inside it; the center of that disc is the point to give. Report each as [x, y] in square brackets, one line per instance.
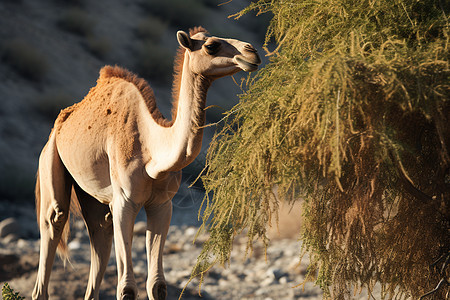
[246, 65]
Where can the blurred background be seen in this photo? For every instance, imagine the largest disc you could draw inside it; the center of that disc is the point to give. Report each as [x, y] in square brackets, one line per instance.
[52, 50]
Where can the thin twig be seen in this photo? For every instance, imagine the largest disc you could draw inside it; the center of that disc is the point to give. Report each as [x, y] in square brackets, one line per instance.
[446, 258]
[439, 285]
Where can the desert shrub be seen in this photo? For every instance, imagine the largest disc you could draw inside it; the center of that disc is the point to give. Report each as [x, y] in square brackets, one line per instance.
[351, 115]
[9, 294]
[24, 58]
[155, 62]
[151, 28]
[77, 21]
[183, 13]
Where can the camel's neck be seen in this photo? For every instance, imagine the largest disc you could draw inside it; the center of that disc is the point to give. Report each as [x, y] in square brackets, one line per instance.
[188, 113]
[176, 146]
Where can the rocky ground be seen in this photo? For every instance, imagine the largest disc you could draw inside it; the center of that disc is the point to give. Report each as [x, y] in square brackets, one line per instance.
[253, 277]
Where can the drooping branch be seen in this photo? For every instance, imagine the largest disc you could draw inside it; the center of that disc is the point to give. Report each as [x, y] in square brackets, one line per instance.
[406, 181]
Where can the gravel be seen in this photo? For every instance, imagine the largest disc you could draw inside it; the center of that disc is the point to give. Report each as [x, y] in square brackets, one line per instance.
[254, 276]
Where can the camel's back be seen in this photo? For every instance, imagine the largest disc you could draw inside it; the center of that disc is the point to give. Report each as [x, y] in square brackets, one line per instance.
[105, 109]
[87, 122]
[105, 117]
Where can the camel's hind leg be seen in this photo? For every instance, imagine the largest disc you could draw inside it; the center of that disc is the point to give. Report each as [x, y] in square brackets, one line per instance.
[52, 201]
[98, 219]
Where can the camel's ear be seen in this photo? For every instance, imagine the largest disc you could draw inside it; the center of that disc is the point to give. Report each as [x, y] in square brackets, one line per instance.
[184, 40]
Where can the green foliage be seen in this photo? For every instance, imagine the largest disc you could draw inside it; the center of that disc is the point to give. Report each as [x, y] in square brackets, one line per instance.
[9, 294]
[351, 117]
[24, 58]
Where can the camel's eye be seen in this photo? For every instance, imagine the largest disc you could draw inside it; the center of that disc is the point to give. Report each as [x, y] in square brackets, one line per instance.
[212, 48]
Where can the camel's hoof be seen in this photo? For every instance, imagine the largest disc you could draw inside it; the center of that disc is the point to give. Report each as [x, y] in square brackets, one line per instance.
[128, 294]
[160, 290]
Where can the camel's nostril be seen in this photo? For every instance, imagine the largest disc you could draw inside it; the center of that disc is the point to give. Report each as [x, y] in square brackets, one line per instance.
[250, 48]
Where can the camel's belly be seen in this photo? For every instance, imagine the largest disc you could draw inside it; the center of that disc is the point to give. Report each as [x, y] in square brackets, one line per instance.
[89, 169]
[93, 178]
[96, 182]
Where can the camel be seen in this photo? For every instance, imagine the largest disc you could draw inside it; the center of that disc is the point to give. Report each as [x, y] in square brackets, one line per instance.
[114, 153]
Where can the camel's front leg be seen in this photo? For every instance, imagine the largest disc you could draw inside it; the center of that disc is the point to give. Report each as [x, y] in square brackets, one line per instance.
[159, 213]
[158, 221]
[124, 213]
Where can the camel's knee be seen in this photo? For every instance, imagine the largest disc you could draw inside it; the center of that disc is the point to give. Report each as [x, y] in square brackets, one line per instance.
[55, 219]
[106, 223]
[58, 216]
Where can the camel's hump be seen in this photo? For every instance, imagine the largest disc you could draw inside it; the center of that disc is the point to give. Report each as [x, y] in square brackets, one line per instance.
[119, 72]
[141, 84]
[122, 73]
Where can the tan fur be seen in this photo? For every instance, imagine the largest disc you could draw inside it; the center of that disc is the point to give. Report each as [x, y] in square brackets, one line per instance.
[114, 153]
[177, 71]
[37, 194]
[144, 88]
[63, 250]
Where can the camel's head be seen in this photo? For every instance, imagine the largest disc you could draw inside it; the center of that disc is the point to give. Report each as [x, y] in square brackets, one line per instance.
[215, 57]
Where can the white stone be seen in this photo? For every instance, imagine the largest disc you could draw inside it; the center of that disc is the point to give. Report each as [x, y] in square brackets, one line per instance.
[74, 245]
[21, 243]
[268, 281]
[191, 231]
[283, 280]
